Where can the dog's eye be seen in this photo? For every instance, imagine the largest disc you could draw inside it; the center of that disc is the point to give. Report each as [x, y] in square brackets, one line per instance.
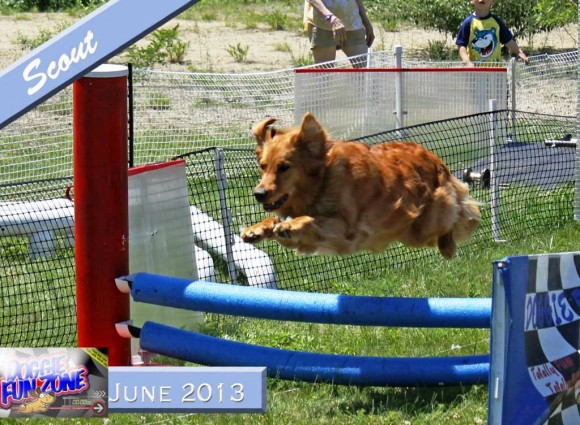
[283, 167]
[262, 167]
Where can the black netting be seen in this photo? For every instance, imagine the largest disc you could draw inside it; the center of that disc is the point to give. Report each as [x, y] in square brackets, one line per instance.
[37, 271]
[525, 185]
[530, 185]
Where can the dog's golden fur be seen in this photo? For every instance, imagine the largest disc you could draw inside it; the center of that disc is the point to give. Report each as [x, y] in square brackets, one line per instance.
[337, 197]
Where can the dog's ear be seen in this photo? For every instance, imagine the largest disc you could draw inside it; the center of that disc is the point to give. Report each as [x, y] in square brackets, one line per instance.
[262, 131]
[313, 135]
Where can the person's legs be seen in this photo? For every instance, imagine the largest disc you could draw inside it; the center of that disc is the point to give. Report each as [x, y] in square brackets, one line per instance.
[355, 45]
[324, 54]
[322, 44]
[357, 62]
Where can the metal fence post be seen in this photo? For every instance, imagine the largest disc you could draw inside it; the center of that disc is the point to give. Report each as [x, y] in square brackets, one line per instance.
[222, 183]
[399, 110]
[494, 185]
[513, 78]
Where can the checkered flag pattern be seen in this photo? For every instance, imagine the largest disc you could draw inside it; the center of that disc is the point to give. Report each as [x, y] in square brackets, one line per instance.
[552, 334]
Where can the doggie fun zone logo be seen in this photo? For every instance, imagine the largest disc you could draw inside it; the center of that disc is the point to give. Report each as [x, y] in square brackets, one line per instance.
[46, 382]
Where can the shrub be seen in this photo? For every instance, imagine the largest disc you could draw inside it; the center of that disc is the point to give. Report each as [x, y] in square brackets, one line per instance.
[49, 5]
[29, 43]
[277, 20]
[238, 52]
[164, 45]
[438, 50]
[525, 18]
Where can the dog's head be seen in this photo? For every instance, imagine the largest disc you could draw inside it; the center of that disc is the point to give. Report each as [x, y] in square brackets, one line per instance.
[291, 163]
[41, 399]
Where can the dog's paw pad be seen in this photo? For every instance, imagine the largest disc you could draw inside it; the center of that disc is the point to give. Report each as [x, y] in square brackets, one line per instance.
[282, 231]
[252, 236]
[251, 239]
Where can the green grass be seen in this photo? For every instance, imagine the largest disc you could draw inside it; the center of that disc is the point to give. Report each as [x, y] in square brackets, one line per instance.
[49, 156]
[290, 402]
[469, 275]
[541, 223]
[302, 403]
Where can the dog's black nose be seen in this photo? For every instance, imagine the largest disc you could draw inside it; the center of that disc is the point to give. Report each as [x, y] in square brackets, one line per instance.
[260, 194]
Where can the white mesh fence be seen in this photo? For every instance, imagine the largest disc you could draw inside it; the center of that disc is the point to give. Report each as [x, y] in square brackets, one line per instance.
[180, 112]
[547, 85]
[177, 112]
[39, 144]
[350, 104]
[353, 103]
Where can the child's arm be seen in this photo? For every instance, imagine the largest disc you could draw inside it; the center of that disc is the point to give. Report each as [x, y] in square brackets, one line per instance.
[517, 51]
[462, 41]
[464, 56]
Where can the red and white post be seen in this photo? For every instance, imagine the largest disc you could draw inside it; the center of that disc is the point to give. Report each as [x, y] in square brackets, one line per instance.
[101, 208]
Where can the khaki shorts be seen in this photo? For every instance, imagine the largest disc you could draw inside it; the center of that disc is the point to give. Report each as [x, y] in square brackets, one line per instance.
[324, 38]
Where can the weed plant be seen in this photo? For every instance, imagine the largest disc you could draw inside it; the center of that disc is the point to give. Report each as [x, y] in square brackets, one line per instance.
[30, 43]
[239, 52]
[163, 46]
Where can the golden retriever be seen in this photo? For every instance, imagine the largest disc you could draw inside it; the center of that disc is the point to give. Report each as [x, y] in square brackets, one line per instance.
[336, 197]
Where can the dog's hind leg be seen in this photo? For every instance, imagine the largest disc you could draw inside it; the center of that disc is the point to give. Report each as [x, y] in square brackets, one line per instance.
[447, 245]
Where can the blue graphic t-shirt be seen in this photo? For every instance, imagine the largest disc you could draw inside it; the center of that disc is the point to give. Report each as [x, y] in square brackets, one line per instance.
[483, 37]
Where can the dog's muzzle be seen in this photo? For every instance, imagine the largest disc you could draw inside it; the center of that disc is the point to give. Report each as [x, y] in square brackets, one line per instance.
[262, 194]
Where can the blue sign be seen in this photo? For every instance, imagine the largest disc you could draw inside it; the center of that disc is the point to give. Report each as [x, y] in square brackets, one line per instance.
[80, 48]
[164, 389]
[535, 358]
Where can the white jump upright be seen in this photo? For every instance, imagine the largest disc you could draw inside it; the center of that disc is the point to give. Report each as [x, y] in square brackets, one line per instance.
[41, 221]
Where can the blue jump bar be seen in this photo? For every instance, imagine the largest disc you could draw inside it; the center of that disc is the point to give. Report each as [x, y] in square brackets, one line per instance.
[316, 367]
[311, 307]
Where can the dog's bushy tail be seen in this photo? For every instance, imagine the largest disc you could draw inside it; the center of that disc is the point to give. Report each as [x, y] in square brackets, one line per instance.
[465, 224]
[469, 214]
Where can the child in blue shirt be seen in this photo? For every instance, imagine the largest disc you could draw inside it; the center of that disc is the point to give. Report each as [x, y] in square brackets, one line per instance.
[481, 35]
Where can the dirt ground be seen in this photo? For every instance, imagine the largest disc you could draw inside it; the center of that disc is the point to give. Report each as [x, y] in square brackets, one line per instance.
[266, 49]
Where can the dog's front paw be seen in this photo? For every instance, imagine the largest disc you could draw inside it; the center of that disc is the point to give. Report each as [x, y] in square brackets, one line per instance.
[295, 228]
[260, 231]
[253, 234]
[284, 230]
